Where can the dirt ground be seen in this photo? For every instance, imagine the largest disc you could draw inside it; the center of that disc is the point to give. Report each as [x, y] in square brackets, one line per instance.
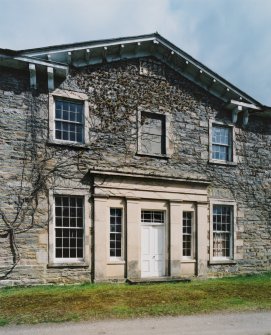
[252, 323]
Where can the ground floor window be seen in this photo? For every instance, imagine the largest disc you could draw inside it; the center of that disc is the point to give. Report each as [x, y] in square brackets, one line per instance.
[69, 227]
[222, 231]
[116, 232]
[188, 234]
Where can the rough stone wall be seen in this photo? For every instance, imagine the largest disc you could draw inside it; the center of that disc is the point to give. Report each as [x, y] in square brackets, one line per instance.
[116, 93]
[28, 169]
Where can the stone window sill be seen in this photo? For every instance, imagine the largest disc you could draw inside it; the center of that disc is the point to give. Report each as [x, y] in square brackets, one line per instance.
[222, 262]
[152, 155]
[188, 260]
[68, 265]
[218, 162]
[68, 144]
[116, 262]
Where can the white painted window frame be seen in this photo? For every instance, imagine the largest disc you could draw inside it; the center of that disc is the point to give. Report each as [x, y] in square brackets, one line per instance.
[167, 117]
[192, 256]
[232, 203]
[115, 203]
[186, 207]
[86, 251]
[72, 96]
[117, 258]
[231, 126]
[154, 223]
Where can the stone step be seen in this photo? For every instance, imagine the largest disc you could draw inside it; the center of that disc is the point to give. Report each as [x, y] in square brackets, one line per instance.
[157, 280]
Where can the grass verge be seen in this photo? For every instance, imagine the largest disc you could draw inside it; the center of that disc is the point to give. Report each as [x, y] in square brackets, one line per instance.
[98, 301]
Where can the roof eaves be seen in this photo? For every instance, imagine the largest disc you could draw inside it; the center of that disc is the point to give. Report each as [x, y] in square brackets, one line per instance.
[24, 61]
[38, 61]
[8, 52]
[83, 45]
[209, 72]
[33, 53]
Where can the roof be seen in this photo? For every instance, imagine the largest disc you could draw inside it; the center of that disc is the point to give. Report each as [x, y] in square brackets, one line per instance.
[62, 57]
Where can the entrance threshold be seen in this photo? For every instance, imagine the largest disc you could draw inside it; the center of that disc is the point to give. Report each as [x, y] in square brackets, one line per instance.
[157, 280]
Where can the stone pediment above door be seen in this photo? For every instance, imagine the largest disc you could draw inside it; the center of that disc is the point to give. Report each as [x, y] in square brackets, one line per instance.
[148, 187]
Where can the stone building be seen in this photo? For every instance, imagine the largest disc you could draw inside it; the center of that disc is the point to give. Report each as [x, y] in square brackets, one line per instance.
[127, 158]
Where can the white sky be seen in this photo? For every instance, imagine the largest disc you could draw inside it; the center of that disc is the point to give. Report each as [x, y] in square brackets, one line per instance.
[231, 37]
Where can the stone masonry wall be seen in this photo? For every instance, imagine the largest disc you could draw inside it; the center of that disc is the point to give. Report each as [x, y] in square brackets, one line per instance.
[117, 92]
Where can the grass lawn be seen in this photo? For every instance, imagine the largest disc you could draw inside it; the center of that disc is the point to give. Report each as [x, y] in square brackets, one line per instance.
[98, 301]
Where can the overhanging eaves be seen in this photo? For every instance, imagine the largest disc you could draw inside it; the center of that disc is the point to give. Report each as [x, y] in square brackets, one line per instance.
[110, 50]
[59, 58]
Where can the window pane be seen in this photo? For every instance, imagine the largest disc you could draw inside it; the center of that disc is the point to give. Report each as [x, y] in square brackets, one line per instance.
[72, 212]
[58, 105]
[65, 115]
[79, 135]
[151, 144]
[72, 252]
[65, 135]
[66, 222]
[73, 222]
[58, 211]
[152, 126]
[58, 222]
[79, 222]
[58, 114]
[79, 253]
[58, 232]
[59, 253]
[72, 107]
[79, 202]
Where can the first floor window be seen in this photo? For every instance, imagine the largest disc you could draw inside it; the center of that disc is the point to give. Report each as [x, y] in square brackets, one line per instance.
[116, 232]
[153, 134]
[222, 143]
[222, 231]
[69, 227]
[69, 120]
[187, 234]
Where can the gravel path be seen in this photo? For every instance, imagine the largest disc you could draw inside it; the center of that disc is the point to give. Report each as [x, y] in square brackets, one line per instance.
[256, 323]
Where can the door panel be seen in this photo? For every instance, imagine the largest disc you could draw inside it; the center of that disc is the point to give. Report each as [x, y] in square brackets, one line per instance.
[146, 243]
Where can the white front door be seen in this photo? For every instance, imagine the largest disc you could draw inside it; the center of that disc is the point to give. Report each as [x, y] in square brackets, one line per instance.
[152, 250]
